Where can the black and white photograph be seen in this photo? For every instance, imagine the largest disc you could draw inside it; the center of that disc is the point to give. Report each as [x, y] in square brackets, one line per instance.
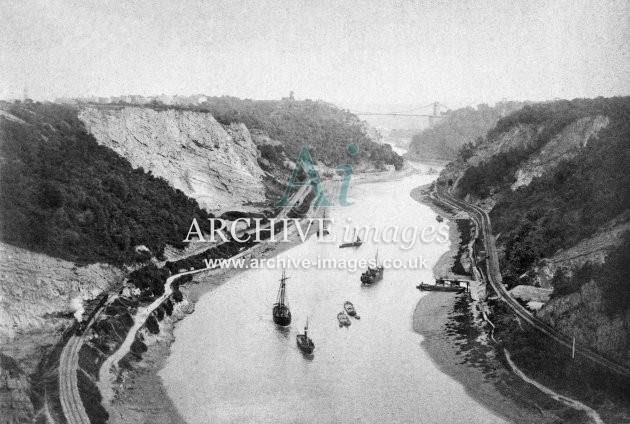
[314, 211]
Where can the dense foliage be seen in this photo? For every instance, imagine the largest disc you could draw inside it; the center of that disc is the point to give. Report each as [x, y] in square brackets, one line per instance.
[150, 280]
[324, 128]
[458, 128]
[496, 174]
[65, 195]
[567, 204]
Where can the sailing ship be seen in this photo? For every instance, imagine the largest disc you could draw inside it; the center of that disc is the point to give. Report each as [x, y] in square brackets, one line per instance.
[281, 312]
[356, 241]
[344, 321]
[305, 344]
[372, 275]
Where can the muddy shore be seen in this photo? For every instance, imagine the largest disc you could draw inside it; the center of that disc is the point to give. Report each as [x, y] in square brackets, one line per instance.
[142, 397]
[457, 342]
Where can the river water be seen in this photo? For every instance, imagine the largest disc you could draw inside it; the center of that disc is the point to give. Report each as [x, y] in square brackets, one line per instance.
[231, 364]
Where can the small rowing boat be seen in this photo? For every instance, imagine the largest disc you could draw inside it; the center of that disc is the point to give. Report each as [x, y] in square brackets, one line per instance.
[344, 321]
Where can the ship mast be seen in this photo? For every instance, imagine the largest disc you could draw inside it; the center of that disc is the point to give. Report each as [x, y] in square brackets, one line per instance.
[323, 224]
[281, 292]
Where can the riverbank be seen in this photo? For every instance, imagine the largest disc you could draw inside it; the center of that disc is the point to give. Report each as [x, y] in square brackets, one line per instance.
[141, 395]
[457, 342]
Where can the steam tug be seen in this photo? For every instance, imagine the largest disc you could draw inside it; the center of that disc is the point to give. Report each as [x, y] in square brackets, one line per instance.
[372, 275]
[305, 344]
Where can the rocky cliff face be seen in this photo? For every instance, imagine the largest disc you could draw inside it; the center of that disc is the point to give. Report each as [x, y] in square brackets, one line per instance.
[582, 316]
[15, 404]
[38, 296]
[518, 137]
[592, 250]
[563, 146]
[212, 163]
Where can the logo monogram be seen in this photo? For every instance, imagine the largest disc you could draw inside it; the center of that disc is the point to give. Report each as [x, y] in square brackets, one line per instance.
[305, 162]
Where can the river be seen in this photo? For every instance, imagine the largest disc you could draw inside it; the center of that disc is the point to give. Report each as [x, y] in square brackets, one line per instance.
[231, 364]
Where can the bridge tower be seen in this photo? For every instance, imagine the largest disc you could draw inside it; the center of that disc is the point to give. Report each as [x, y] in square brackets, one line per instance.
[436, 113]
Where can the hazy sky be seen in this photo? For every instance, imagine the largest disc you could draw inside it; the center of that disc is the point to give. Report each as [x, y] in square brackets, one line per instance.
[344, 51]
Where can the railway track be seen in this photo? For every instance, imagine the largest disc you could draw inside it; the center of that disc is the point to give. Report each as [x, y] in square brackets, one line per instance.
[69, 395]
[493, 274]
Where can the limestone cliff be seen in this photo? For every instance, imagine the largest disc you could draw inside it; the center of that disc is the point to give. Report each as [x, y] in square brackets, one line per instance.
[15, 404]
[582, 315]
[38, 295]
[213, 163]
[592, 250]
[518, 137]
[563, 146]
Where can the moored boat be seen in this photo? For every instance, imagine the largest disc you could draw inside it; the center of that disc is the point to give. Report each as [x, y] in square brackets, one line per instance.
[440, 285]
[281, 311]
[344, 321]
[349, 307]
[304, 343]
[355, 243]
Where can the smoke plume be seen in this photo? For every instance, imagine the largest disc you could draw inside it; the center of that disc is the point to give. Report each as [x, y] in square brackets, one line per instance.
[76, 305]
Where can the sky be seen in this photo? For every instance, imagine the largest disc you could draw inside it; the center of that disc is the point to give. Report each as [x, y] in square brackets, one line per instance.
[354, 52]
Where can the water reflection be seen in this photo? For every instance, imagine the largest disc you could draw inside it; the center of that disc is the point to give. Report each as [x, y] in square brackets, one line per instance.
[282, 332]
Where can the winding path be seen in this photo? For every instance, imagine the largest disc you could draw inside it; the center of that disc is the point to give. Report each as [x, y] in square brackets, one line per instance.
[594, 416]
[69, 395]
[142, 315]
[139, 320]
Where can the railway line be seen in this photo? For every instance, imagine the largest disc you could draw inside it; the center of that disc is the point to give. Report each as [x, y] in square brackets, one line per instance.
[69, 395]
[493, 275]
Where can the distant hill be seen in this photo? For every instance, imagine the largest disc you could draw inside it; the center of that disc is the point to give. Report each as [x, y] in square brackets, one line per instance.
[326, 129]
[444, 140]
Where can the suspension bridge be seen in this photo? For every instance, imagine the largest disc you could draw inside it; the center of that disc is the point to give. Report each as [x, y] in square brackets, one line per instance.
[433, 117]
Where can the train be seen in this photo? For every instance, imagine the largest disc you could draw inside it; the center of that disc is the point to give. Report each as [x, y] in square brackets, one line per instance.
[90, 310]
